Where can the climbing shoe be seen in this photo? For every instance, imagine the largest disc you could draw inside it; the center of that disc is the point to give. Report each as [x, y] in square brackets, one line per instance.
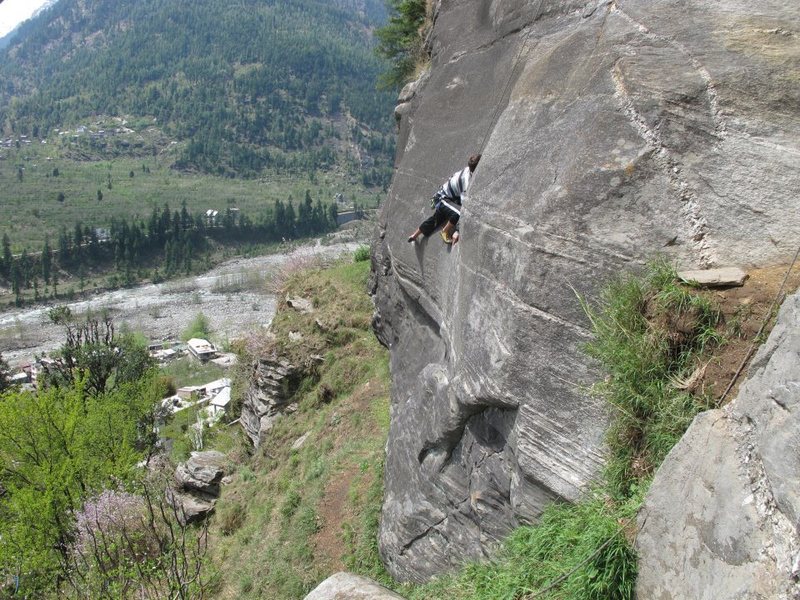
[411, 239]
[447, 239]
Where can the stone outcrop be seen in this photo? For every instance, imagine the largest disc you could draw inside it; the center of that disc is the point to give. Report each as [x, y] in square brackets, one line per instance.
[627, 128]
[272, 385]
[734, 532]
[709, 278]
[202, 473]
[346, 586]
[197, 484]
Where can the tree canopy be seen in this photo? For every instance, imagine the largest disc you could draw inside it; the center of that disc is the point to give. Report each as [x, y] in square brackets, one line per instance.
[245, 84]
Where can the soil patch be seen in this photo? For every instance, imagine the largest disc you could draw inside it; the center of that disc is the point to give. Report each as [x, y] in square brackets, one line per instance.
[743, 312]
[335, 508]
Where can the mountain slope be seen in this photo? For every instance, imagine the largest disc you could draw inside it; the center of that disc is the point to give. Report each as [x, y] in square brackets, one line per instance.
[248, 85]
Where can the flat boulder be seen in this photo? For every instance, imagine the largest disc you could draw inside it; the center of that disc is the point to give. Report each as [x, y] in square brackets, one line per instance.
[724, 277]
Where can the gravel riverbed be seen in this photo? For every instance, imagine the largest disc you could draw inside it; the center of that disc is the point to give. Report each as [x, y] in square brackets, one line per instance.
[235, 296]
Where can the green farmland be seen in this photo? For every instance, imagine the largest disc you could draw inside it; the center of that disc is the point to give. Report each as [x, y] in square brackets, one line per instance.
[41, 191]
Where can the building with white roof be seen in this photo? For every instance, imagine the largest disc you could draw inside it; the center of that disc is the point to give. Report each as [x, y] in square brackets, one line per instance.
[201, 349]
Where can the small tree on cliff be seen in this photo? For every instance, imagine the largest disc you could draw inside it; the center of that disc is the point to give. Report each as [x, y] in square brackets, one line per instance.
[402, 41]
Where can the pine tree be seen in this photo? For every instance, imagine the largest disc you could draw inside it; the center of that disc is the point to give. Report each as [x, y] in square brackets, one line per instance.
[47, 261]
[8, 258]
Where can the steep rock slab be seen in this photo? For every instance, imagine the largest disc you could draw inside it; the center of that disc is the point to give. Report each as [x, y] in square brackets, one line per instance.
[628, 128]
[734, 532]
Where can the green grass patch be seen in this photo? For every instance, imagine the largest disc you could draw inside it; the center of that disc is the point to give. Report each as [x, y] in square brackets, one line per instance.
[293, 517]
[580, 548]
[190, 371]
[648, 333]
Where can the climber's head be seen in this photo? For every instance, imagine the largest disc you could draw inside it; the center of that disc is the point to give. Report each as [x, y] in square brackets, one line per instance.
[473, 162]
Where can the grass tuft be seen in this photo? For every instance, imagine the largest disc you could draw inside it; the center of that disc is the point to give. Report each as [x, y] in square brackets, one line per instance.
[648, 333]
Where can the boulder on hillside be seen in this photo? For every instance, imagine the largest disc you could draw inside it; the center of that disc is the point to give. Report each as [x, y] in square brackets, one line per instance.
[190, 508]
[202, 473]
[301, 305]
[734, 533]
[197, 483]
[346, 586]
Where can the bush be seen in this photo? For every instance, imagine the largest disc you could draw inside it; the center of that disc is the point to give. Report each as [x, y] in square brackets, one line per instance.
[128, 545]
[362, 253]
[198, 328]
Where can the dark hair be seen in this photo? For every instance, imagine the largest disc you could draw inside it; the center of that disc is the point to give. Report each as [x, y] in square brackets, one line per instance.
[473, 161]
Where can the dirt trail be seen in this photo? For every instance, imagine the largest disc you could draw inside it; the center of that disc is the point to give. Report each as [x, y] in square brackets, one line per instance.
[744, 310]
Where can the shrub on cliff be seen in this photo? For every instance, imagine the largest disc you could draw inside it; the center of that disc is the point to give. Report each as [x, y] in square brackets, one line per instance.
[402, 41]
[648, 333]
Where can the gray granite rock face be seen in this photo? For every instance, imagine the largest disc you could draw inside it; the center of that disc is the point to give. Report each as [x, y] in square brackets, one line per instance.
[346, 586]
[721, 518]
[628, 128]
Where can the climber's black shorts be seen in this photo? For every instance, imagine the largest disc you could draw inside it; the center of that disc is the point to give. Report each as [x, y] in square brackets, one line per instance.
[440, 216]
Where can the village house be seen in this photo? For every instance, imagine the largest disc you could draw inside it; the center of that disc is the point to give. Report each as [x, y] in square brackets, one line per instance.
[201, 349]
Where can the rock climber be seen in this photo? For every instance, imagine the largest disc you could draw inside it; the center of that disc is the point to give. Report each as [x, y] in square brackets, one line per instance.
[447, 204]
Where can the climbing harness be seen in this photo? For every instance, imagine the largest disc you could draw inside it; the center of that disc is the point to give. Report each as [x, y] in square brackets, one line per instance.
[451, 207]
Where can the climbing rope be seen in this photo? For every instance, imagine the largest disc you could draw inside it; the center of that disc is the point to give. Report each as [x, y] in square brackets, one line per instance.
[766, 320]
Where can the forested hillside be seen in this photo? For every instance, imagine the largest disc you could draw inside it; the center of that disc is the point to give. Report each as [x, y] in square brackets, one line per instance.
[247, 85]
